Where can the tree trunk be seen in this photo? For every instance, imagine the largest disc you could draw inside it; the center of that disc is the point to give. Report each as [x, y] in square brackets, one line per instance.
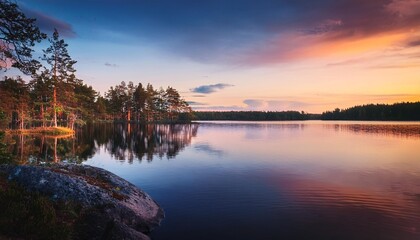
[54, 106]
[55, 90]
[42, 115]
[129, 116]
[55, 150]
[21, 120]
[21, 146]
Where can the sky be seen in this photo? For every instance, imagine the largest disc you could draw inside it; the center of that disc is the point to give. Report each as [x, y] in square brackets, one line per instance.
[268, 55]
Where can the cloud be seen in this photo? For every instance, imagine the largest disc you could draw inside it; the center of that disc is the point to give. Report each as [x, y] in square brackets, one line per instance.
[219, 108]
[259, 105]
[250, 32]
[274, 105]
[244, 32]
[48, 23]
[111, 64]
[414, 43]
[207, 148]
[390, 66]
[404, 8]
[207, 89]
[192, 103]
[255, 104]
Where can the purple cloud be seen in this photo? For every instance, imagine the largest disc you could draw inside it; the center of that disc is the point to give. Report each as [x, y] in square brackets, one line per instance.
[193, 103]
[414, 43]
[110, 64]
[274, 105]
[48, 23]
[207, 89]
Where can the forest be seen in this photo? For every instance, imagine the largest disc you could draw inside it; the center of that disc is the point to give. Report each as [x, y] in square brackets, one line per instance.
[28, 105]
[404, 111]
[54, 96]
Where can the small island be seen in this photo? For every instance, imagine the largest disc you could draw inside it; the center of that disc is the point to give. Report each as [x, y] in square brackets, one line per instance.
[42, 130]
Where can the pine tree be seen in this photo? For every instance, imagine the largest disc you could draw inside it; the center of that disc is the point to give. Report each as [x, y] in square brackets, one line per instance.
[139, 97]
[18, 34]
[14, 99]
[41, 88]
[62, 72]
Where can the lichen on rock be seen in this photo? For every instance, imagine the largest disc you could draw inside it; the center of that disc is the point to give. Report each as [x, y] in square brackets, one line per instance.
[112, 208]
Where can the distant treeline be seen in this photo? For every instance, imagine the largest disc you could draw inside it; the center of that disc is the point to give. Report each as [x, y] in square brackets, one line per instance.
[253, 116]
[380, 112]
[371, 112]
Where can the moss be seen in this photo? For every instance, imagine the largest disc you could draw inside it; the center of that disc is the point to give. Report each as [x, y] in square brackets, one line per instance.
[98, 181]
[33, 216]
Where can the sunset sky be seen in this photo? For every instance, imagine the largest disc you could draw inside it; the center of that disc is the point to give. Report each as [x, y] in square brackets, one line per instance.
[245, 54]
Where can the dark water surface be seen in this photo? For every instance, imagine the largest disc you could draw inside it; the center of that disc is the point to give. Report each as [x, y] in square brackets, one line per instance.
[267, 180]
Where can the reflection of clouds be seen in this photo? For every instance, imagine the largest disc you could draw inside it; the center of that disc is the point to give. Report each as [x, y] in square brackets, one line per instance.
[292, 125]
[207, 148]
[356, 197]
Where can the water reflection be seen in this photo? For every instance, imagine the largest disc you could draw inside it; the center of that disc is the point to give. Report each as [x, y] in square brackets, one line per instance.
[276, 180]
[42, 148]
[129, 142]
[123, 142]
[208, 149]
[395, 130]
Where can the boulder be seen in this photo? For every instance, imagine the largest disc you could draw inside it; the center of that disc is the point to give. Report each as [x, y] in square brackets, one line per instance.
[112, 207]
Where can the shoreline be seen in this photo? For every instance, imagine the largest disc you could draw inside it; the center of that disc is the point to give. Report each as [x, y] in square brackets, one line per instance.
[42, 130]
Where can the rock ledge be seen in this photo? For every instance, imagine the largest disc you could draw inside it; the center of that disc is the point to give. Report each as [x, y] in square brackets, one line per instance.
[113, 207]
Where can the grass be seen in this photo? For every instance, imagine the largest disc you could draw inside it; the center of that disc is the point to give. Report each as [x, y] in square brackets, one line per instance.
[27, 215]
[43, 130]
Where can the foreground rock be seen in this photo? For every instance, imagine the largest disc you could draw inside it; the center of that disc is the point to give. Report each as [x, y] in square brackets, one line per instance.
[112, 207]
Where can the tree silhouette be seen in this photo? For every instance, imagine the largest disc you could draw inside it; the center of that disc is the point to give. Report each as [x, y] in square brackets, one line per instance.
[378, 112]
[18, 34]
[62, 72]
[14, 96]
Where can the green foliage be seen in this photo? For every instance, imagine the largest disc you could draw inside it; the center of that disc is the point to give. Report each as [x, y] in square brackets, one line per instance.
[18, 34]
[127, 102]
[379, 112]
[15, 99]
[62, 75]
[57, 56]
[32, 216]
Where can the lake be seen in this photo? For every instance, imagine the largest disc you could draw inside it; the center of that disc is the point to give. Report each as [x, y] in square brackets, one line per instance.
[259, 180]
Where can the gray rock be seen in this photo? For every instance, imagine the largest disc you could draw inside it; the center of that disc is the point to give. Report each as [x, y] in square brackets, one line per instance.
[113, 207]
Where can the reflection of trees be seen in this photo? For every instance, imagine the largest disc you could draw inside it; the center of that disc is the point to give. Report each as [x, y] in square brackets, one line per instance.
[122, 141]
[127, 142]
[40, 148]
[395, 130]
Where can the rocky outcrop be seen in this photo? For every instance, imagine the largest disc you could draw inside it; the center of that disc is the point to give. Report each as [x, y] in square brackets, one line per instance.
[112, 207]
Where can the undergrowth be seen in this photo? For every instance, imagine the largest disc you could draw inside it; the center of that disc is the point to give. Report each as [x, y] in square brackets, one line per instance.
[29, 215]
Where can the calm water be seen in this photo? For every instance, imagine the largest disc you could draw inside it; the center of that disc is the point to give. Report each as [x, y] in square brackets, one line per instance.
[269, 180]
